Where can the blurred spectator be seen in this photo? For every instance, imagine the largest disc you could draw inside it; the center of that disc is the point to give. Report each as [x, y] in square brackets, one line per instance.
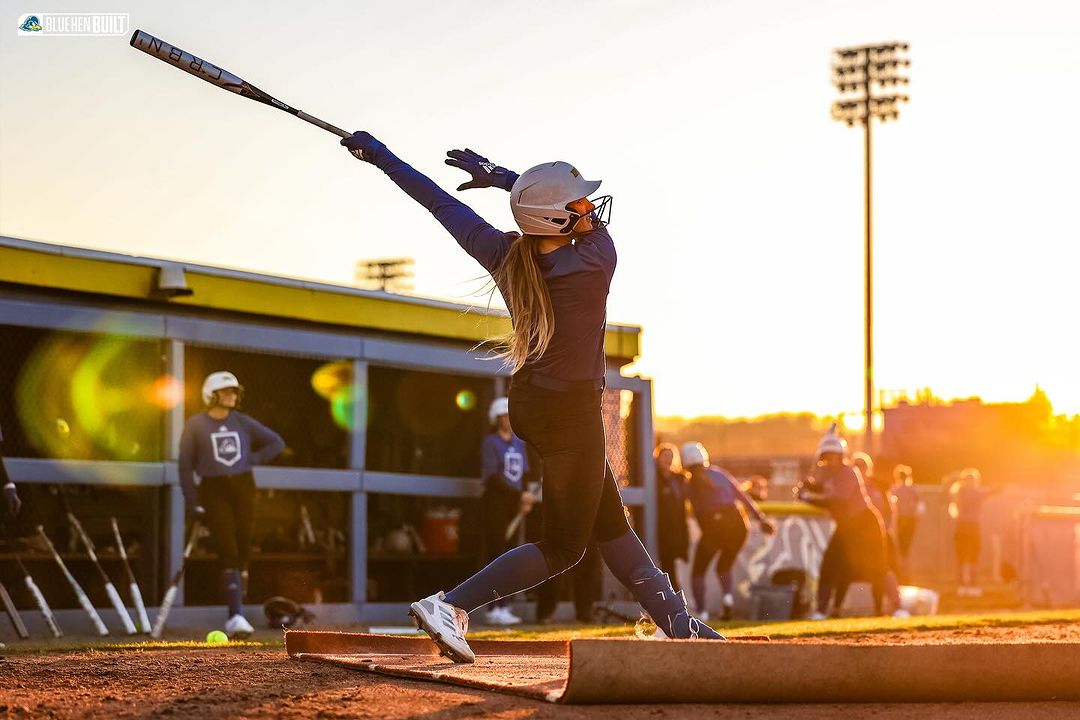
[909, 506]
[506, 502]
[720, 506]
[584, 582]
[674, 538]
[878, 491]
[966, 498]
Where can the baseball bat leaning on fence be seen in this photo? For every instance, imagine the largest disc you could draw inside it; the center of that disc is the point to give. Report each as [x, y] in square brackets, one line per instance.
[133, 585]
[13, 613]
[79, 593]
[220, 77]
[170, 594]
[110, 589]
[43, 606]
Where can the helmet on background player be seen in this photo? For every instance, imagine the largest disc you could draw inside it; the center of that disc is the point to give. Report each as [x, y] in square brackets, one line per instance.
[541, 194]
[831, 442]
[694, 453]
[499, 406]
[216, 381]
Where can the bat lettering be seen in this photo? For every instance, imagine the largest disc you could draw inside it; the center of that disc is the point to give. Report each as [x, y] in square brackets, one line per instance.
[175, 54]
[214, 77]
[156, 44]
[195, 64]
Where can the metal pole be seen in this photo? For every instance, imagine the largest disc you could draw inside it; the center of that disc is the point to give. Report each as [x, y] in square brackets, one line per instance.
[868, 375]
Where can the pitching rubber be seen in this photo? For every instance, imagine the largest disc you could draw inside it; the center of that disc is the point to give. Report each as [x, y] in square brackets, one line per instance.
[444, 648]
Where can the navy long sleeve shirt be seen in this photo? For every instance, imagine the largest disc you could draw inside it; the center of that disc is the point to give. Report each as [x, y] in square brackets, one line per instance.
[578, 275]
[504, 464]
[713, 489]
[218, 448]
[844, 492]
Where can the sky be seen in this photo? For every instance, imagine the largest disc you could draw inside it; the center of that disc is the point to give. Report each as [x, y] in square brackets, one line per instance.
[738, 200]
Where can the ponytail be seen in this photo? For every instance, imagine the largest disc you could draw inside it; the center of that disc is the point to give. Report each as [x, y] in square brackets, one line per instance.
[526, 294]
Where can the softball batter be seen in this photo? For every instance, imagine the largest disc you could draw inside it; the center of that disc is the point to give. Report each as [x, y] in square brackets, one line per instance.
[554, 275]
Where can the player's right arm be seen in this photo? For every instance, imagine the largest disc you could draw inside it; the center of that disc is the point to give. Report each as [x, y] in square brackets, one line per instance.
[186, 466]
[478, 238]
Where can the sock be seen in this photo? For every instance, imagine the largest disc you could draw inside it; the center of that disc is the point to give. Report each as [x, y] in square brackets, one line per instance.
[233, 589]
[513, 571]
[627, 559]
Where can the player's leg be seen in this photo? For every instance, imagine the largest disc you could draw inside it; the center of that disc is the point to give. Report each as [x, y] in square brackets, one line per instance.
[568, 432]
[828, 572]
[216, 499]
[242, 490]
[631, 565]
[707, 548]
[586, 584]
[733, 539]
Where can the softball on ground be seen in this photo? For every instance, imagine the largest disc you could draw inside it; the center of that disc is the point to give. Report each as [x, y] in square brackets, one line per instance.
[216, 637]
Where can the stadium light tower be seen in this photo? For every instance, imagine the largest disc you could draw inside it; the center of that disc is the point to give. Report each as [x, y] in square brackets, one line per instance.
[866, 77]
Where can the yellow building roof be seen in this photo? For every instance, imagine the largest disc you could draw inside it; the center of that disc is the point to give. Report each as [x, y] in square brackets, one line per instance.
[58, 267]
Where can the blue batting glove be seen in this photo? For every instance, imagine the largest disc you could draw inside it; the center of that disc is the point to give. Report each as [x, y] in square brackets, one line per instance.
[484, 173]
[362, 145]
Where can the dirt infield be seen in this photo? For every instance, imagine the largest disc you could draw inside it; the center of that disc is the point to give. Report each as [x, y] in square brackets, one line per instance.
[265, 683]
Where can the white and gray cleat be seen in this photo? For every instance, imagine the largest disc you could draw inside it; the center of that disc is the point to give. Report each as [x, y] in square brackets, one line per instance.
[445, 624]
[238, 628]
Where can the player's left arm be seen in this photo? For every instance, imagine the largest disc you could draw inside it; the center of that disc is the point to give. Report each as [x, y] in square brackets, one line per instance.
[265, 443]
[750, 504]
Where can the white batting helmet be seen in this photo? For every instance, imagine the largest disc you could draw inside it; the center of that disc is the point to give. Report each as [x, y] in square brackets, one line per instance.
[217, 381]
[694, 453]
[499, 406]
[539, 197]
[831, 442]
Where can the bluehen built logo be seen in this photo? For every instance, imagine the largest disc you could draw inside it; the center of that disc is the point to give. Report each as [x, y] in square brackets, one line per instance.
[66, 24]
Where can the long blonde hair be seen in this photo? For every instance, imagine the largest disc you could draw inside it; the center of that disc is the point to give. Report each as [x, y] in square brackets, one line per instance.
[526, 294]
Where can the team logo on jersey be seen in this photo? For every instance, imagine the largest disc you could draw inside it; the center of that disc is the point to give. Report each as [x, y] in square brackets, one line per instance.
[31, 24]
[226, 447]
[513, 466]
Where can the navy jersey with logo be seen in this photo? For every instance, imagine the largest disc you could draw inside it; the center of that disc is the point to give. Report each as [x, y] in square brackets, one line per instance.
[504, 462]
[218, 448]
[577, 275]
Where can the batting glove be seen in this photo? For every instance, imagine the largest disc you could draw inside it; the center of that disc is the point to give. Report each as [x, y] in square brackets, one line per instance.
[484, 173]
[11, 500]
[362, 145]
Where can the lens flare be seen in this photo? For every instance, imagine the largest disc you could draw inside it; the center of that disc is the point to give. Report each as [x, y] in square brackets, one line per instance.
[78, 396]
[465, 400]
[334, 383]
[167, 392]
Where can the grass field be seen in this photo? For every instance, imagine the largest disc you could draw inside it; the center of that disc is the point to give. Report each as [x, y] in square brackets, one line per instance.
[778, 630]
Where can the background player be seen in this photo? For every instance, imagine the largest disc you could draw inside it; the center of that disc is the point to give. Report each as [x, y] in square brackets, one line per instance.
[720, 507]
[909, 506]
[504, 464]
[857, 545]
[222, 445]
[966, 498]
[673, 535]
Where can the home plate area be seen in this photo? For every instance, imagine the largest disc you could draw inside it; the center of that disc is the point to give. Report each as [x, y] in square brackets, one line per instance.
[665, 671]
